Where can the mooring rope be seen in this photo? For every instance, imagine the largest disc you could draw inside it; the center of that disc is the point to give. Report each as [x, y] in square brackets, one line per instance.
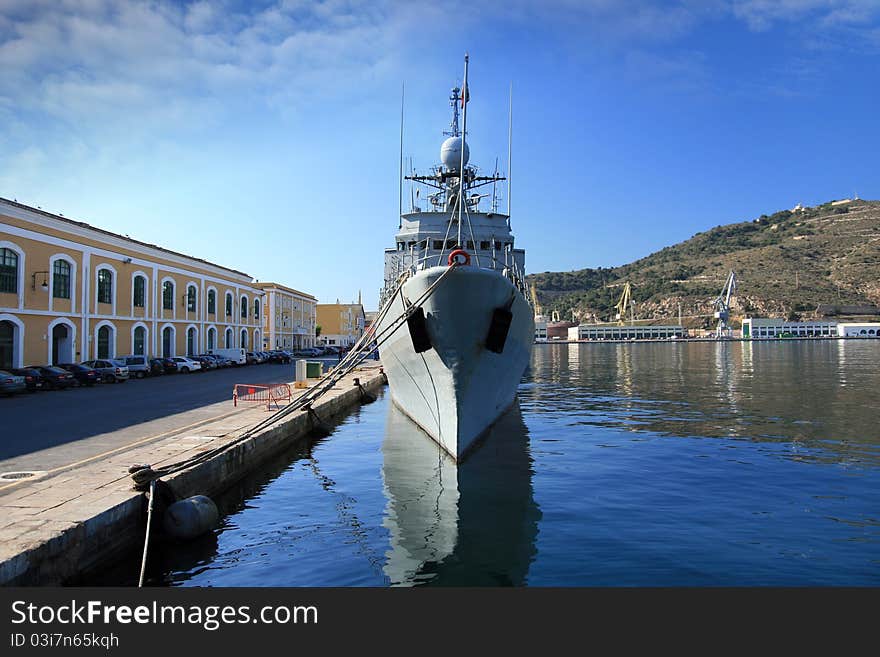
[359, 352]
[147, 537]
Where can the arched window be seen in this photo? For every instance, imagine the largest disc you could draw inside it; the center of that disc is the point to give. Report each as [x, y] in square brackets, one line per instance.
[256, 309]
[105, 287]
[7, 345]
[139, 297]
[190, 341]
[191, 299]
[167, 342]
[228, 338]
[212, 302]
[244, 305]
[212, 339]
[243, 339]
[104, 342]
[139, 342]
[168, 295]
[8, 271]
[228, 305]
[61, 279]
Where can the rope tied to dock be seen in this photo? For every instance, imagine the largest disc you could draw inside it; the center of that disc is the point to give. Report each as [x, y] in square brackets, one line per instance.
[144, 475]
[366, 397]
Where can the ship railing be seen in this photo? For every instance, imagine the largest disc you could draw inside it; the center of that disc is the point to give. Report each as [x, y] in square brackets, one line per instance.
[509, 269]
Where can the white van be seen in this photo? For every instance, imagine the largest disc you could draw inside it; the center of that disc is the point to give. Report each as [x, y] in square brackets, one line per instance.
[237, 356]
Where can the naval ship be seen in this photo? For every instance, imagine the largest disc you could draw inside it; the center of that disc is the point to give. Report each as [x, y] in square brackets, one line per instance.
[456, 328]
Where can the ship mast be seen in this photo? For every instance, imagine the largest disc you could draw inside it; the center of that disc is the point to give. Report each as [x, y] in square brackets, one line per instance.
[461, 171]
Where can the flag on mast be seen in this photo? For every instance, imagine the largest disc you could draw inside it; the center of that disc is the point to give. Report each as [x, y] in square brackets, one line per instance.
[465, 95]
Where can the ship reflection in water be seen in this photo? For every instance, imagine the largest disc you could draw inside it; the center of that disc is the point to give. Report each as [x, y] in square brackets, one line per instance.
[468, 525]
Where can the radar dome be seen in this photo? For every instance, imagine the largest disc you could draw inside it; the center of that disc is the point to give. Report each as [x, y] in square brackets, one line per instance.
[450, 153]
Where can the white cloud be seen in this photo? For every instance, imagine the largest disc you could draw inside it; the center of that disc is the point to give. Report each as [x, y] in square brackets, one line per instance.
[761, 15]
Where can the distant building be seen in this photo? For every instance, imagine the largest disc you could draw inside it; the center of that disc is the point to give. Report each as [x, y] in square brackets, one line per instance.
[540, 328]
[760, 327]
[755, 327]
[342, 324]
[289, 318]
[859, 329]
[613, 332]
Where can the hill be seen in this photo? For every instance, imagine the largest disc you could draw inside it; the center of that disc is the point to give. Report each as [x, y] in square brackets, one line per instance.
[786, 264]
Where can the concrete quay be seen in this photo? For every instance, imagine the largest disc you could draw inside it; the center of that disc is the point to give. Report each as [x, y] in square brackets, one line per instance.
[58, 528]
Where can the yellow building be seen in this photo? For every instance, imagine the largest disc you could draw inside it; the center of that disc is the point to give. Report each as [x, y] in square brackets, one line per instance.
[289, 320]
[71, 292]
[342, 324]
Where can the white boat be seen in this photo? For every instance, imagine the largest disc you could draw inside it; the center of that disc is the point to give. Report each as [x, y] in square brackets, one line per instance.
[454, 365]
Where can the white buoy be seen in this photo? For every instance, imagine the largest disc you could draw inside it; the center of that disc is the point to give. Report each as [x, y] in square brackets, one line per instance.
[194, 516]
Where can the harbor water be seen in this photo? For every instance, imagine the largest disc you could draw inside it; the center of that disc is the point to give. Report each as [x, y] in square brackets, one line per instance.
[673, 464]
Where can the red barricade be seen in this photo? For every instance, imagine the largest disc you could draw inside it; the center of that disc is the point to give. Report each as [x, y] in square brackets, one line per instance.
[261, 393]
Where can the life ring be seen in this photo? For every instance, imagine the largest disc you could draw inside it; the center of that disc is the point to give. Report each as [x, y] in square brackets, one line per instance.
[453, 257]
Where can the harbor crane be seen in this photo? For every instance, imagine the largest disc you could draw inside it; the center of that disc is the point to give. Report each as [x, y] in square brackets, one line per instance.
[624, 302]
[722, 306]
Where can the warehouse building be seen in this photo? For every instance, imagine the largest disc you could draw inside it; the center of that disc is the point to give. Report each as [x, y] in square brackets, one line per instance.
[616, 332]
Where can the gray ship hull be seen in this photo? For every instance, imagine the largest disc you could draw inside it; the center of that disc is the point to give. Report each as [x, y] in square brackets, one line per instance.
[458, 388]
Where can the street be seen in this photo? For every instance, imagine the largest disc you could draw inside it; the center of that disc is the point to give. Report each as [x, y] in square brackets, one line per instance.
[49, 429]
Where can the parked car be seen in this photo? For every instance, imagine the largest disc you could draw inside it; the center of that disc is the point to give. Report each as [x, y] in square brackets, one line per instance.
[138, 366]
[83, 374]
[206, 362]
[264, 356]
[11, 383]
[186, 365]
[33, 379]
[222, 361]
[252, 358]
[157, 367]
[109, 371]
[169, 364]
[56, 378]
[280, 356]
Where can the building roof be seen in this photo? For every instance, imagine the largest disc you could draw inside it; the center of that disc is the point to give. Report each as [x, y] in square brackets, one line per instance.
[82, 224]
[265, 286]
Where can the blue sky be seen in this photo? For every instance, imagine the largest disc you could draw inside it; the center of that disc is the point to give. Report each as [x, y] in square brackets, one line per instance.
[265, 136]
